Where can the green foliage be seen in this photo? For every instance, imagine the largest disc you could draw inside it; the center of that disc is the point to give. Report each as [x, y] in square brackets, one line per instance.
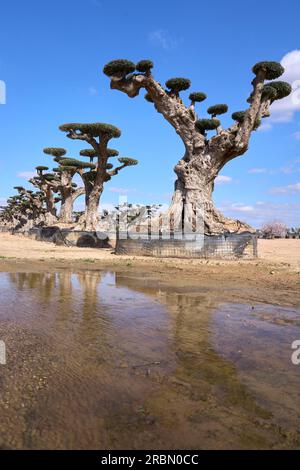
[282, 89]
[112, 152]
[178, 84]
[197, 96]
[74, 185]
[67, 168]
[203, 125]
[148, 98]
[128, 161]
[109, 166]
[49, 177]
[119, 67]
[19, 188]
[96, 129]
[72, 162]
[217, 109]
[55, 151]
[271, 69]
[91, 153]
[144, 66]
[41, 168]
[238, 116]
[268, 92]
[58, 159]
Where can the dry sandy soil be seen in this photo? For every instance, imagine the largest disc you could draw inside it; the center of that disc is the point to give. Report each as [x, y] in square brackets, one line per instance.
[283, 252]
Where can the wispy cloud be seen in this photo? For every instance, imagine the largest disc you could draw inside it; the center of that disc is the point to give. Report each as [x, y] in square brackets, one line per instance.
[121, 190]
[290, 188]
[26, 174]
[291, 167]
[222, 179]
[163, 39]
[266, 126]
[262, 211]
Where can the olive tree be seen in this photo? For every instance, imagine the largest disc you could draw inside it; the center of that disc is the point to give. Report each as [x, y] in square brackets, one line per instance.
[97, 135]
[205, 154]
[63, 185]
[47, 183]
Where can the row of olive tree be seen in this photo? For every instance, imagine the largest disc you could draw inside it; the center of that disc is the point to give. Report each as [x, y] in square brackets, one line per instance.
[29, 208]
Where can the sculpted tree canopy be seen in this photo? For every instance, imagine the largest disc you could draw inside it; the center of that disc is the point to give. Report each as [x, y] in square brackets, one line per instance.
[97, 135]
[63, 185]
[204, 156]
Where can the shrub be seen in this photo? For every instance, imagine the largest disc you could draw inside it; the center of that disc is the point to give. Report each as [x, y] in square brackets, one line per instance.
[127, 161]
[217, 109]
[119, 67]
[282, 89]
[144, 66]
[197, 96]
[178, 84]
[272, 69]
[203, 125]
[55, 151]
[238, 116]
[96, 129]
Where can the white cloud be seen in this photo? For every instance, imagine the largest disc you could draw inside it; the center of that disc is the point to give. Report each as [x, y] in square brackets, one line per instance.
[162, 38]
[262, 211]
[290, 168]
[26, 174]
[290, 188]
[239, 207]
[266, 126]
[222, 179]
[121, 190]
[257, 170]
[283, 110]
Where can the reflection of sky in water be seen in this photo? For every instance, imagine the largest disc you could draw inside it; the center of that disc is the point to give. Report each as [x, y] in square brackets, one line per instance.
[258, 341]
[115, 351]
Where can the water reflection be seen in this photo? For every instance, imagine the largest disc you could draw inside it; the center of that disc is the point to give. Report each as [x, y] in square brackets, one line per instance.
[106, 360]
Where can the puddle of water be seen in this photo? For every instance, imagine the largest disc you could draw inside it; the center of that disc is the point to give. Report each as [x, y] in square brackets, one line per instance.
[99, 360]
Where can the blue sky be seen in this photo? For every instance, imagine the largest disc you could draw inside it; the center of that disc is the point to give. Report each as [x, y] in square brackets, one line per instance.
[51, 60]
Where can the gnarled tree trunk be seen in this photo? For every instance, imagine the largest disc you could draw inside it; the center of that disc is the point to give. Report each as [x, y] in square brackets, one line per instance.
[204, 158]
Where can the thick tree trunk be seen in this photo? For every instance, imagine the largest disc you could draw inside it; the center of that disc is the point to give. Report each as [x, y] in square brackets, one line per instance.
[92, 201]
[66, 208]
[192, 205]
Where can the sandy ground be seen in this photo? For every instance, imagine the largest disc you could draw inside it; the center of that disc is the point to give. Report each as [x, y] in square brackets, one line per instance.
[283, 252]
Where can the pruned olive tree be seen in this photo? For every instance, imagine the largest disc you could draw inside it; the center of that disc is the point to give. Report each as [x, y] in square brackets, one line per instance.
[204, 156]
[24, 210]
[47, 183]
[63, 185]
[97, 135]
